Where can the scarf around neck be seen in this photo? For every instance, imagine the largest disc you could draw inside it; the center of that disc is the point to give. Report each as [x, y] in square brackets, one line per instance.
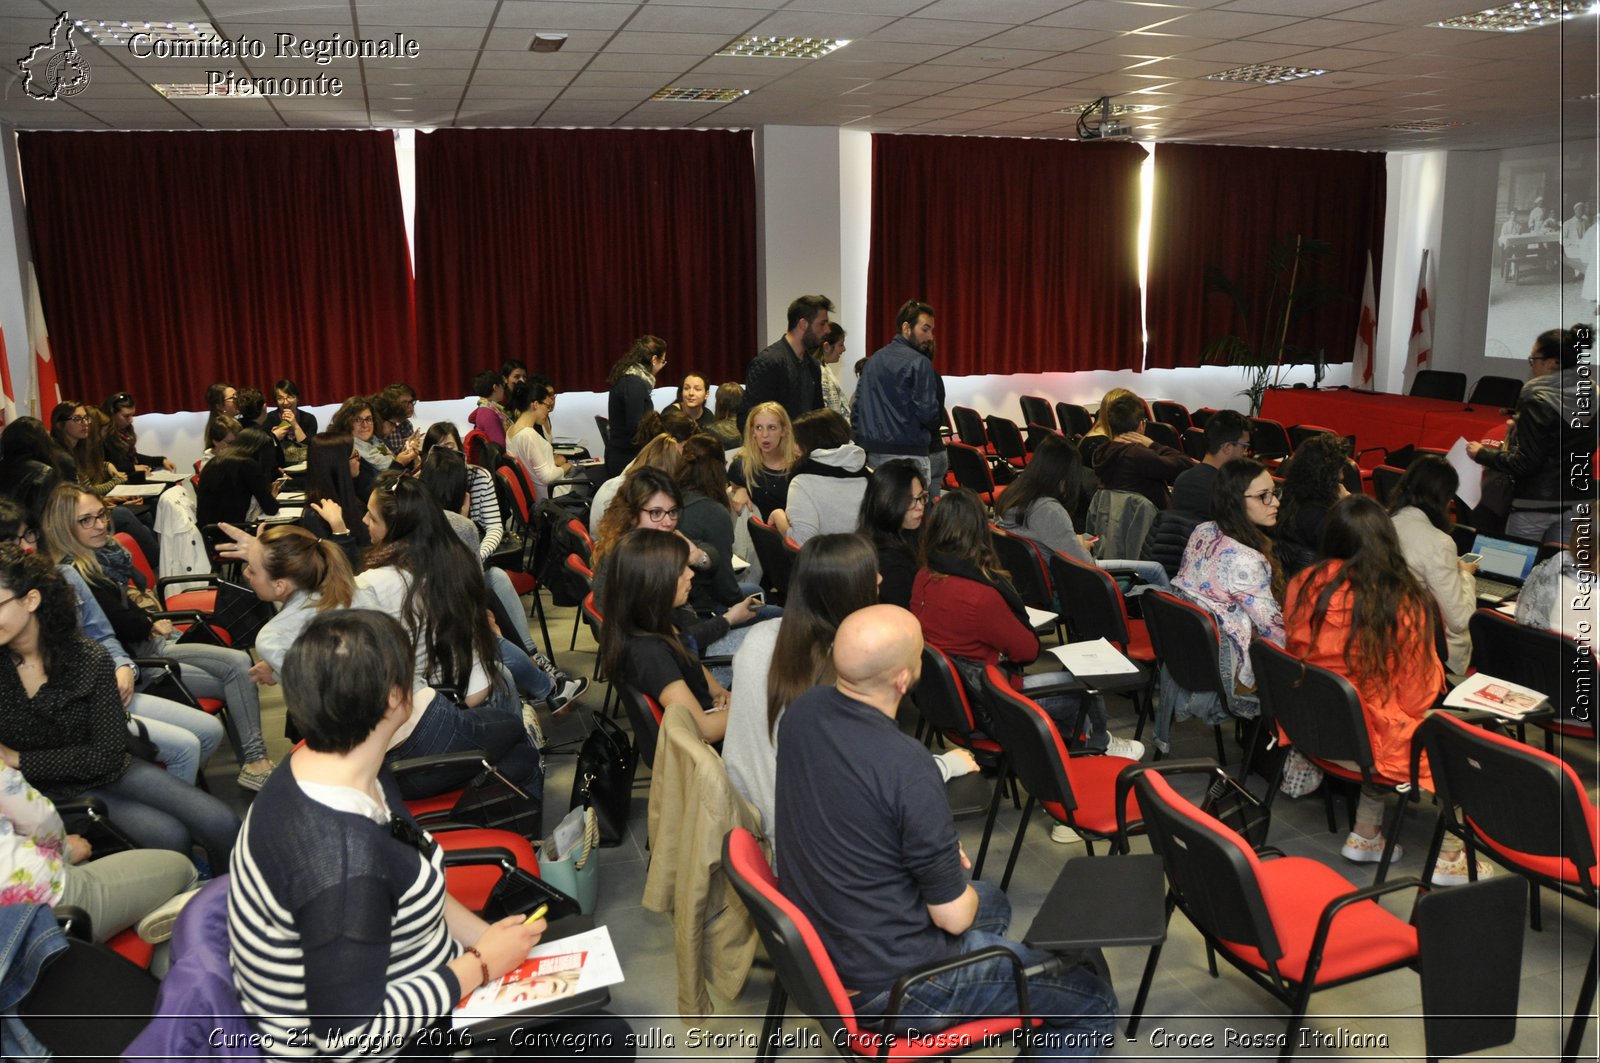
[950, 565]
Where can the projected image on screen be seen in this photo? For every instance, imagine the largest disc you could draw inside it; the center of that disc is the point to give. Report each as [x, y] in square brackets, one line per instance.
[1546, 260]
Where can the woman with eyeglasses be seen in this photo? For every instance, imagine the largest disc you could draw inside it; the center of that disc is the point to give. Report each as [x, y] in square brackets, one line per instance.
[640, 644]
[73, 427]
[528, 438]
[891, 517]
[358, 419]
[62, 724]
[75, 534]
[1229, 570]
[661, 452]
[419, 572]
[631, 381]
[380, 955]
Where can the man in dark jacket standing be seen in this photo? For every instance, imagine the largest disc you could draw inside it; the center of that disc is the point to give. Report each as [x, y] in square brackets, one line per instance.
[897, 402]
[785, 372]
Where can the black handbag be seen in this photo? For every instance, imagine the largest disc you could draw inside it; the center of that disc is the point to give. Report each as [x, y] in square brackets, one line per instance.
[518, 893]
[491, 800]
[604, 779]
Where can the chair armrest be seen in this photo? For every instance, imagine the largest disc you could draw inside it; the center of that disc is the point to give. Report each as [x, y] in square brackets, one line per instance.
[81, 806]
[1193, 766]
[75, 922]
[488, 854]
[1340, 903]
[189, 616]
[927, 971]
[442, 760]
[210, 579]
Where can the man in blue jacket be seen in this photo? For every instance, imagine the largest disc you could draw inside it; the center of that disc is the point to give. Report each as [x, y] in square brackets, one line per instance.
[897, 401]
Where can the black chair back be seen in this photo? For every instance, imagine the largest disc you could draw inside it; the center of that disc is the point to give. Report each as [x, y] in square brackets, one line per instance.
[644, 716]
[971, 470]
[969, 426]
[1194, 443]
[943, 700]
[1035, 434]
[1185, 639]
[777, 563]
[1036, 410]
[1164, 434]
[1035, 750]
[1385, 478]
[1176, 414]
[1552, 663]
[1438, 384]
[1006, 438]
[1094, 605]
[1499, 391]
[1020, 558]
[1074, 419]
[1269, 440]
[1319, 710]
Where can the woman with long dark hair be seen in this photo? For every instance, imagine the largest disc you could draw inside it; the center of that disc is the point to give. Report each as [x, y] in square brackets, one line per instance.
[1420, 509]
[639, 642]
[891, 517]
[631, 381]
[1361, 613]
[82, 445]
[707, 520]
[419, 572]
[835, 575]
[1229, 570]
[243, 474]
[1313, 481]
[62, 724]
[333, 471]
[969, 609]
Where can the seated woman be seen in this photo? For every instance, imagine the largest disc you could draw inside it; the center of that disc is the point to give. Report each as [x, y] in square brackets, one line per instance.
[707, 520]
[122, 442]
[75, 534]
[421, 574]
[357, 419]
[62, 724]
[490, 415]
[241, 483]
[1387, 656]
[485, 507]
[528, 438]
[639, 642]
[1554, 595]
[1420, 509]
[333, 470]
[724, 423]
[1229, 570]
[40, 863]
[691, 401]
[891, 518]
[661, 452]
[221, 430]
[381, 955]
[79, 432]
[1036, 506]
[301, 574]
[301, 426]
[969, 609]
[830, 481]
[1313, 481]
[763, 465]
[781, 659]
[1100, 433]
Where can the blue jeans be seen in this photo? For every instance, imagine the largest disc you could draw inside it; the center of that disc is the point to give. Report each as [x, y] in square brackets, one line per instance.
[1079, 1008]
[224, 674]
[1150, 571]
[533, 682]
[159, 812]
[495, 728]
[1064, 708]
[186, 737]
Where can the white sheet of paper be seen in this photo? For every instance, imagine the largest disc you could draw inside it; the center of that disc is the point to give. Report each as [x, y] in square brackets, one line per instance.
[162, 476]
[1096, 657]
[136, 490]
[1470, 472]
[284, 514]
[297, 467]
[738, 563]
[1039, 617]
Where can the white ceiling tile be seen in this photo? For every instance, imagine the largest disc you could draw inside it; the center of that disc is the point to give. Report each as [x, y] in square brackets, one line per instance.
[725, 22]
[981, 56]
[1112, 16]
[938, 31]
[555, 16]
[667, 64]
[426, 12]
[835, 25]
[1327, 33]
[702, 44]
[991, 10]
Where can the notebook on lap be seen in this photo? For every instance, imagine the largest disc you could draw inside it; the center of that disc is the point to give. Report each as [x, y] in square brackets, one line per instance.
[1505, 565]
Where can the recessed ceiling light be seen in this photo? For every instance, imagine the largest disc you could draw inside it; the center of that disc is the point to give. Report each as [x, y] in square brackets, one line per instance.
[781, 47]
[1425, 125]
[1265, 74]
[547, 42]
[675, 94]
[199, 90]
[1116, 108]
[113, 33]
[1516, 17]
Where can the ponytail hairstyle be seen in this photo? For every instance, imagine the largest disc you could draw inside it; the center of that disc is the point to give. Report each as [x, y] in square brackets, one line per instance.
[703, 469]
[318, 566]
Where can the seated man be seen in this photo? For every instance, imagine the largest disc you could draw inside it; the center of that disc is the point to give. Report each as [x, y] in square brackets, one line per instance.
[870, 854]
[1132, 461]
[1227, 437]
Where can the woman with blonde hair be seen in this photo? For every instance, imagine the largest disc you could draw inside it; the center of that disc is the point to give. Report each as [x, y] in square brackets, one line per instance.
[300, 572]
[762, 468]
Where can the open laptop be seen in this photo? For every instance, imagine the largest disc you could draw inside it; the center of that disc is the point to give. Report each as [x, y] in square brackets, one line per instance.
[1505, 566]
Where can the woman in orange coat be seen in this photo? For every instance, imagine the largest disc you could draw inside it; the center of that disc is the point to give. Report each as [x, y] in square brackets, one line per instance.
[1361, 613]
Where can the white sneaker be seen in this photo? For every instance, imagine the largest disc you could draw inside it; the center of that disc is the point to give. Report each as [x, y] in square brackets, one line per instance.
[568, 692]
[1062, 834]
[157, 925]
[1124, 747]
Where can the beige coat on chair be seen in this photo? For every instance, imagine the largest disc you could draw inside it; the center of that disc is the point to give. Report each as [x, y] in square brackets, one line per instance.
[692, 807]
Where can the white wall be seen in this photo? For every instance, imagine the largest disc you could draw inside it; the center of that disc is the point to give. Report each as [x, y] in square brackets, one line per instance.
[14, 258]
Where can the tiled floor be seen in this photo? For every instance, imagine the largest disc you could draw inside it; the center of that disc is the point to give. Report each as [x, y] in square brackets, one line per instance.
[1190, 1014]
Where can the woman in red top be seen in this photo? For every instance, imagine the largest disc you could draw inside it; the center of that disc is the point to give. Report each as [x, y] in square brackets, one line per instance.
[1361, 613]
[968, 608]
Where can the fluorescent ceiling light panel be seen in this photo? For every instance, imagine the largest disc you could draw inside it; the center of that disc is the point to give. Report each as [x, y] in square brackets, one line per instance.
[116, 33]
[676, 94]
[781, 47]
[1265, 74]
[1516, 17]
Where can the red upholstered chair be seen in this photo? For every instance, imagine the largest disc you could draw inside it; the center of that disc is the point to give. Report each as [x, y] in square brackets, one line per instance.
[523, 580]
[1096, 609]
[1079, 791]
[1184, 639]
[1292, 925]
[200, 601]
[472, 444]
[1526, 809]
[970, 429]
[1005, 439]
[644, 716]
[805, 972]
[946, 707]
[971, 470]
[576, 567]
[1176, 414]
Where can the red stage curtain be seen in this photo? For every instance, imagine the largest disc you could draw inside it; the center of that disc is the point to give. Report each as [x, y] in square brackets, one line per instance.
[1226, 206]
[561, 246]
[1026, 249]
[168, 261]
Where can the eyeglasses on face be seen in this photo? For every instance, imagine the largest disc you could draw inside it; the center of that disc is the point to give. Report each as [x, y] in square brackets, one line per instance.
[364, 419]
[78, 418]
[1266, 498]
[89, 520]
[920, 500]
[27, 535]
[656, 516]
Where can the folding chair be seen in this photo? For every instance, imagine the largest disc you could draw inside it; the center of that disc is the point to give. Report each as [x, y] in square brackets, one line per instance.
[942, 700]
[1554, 664]
[1036, 410]
[971, 470]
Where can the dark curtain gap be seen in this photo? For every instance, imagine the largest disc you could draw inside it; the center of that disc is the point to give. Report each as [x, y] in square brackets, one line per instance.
[1226, 206]
[560, 246]
[167, 261]
[1026, 249]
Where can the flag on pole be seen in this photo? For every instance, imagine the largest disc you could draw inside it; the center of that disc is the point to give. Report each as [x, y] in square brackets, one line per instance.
[1421, 346]
[8, 396]
[46, 392]
[1361, 362]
